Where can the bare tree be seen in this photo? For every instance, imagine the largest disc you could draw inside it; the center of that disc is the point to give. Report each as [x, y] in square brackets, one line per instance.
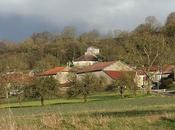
[147, 50]
[153, 23]
[126, 81]
[42, 87]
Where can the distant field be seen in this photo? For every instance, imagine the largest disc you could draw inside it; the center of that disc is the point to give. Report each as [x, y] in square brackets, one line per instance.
[105, 111]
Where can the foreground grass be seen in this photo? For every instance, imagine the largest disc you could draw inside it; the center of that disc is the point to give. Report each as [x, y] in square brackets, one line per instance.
[102, 111]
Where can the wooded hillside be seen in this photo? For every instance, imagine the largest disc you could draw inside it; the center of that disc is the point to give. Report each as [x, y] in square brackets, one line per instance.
[150, 43]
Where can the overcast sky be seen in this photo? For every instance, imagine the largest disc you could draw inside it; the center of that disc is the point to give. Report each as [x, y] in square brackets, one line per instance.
[20, 18]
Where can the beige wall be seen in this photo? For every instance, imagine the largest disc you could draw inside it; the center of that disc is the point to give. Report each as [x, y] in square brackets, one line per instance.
[63, 77]
[118, 66]
[98, 74]
[83, 63]
[139, 79]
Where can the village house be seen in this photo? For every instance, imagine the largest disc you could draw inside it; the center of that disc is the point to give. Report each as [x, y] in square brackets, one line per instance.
[59, 73]
[111, 70]
[89, 64]
[89, 58]
[12, 81]
[157, 74]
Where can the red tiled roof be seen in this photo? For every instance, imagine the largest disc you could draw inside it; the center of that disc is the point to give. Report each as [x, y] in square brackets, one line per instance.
[114, 74]
[53, 71]
[117, 74]
[16, 78]
[166, 69]
[95, 67]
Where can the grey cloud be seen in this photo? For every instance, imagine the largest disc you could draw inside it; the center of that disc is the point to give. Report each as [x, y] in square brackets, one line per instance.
[53, 15]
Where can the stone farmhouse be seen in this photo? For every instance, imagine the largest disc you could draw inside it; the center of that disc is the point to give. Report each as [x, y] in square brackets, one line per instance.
[157, 74]
[110, 70]
[59, 73]
[89, 64]
[89, 58]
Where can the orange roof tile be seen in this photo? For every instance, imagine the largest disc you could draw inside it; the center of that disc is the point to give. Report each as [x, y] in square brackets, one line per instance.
[95, 67]
[16, 78]
[166, 69]
[53, 71]
[118, 74]
[114, 74]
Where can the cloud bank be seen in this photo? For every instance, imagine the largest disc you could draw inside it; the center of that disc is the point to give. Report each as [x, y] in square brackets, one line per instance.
[20, 18]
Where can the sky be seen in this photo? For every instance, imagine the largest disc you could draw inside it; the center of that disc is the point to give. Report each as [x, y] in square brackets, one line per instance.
[20, 18]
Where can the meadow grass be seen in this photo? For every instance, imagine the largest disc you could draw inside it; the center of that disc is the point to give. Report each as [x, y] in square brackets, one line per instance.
[102, 112]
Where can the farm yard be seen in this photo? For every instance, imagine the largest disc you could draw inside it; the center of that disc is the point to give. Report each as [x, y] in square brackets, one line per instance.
[103, 111]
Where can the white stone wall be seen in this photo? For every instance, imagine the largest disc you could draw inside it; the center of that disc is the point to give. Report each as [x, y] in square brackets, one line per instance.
[139, 79]
[83, 63]
[92, 51]
[118, 66]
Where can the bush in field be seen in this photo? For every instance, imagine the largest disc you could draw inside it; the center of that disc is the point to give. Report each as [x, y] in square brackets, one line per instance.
[120, 85]
[42, 87]
[30, 91]
[100, 83]
[4, 89]
[82, 86]
[126, 81]
[2, 92]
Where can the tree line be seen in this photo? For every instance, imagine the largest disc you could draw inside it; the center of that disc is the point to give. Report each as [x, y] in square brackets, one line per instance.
[149, 43]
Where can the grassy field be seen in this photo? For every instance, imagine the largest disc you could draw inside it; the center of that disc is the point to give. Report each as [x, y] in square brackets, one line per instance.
[105, 111]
